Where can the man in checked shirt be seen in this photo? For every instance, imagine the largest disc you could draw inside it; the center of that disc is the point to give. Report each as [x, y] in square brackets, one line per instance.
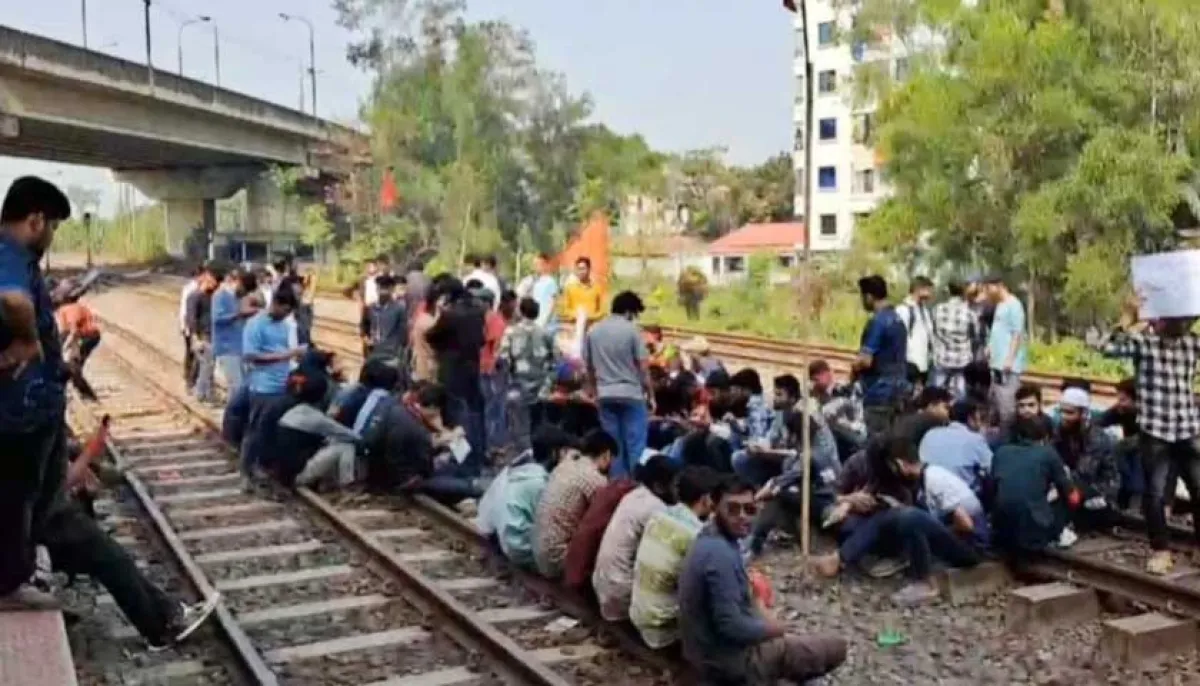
[1165, 354]
[954, 330]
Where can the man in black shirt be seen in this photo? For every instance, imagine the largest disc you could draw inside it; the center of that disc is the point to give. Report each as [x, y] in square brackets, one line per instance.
[457, 337]
[199, 321]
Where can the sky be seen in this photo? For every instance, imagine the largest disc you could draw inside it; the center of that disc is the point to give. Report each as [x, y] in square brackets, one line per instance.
[683, 73]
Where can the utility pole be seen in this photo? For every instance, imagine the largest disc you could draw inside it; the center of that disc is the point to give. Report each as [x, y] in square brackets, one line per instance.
[217, 52]
[149, 59]
[83, 16]
[808, 127]
[87, 236]
[179, 39]
[312, 55]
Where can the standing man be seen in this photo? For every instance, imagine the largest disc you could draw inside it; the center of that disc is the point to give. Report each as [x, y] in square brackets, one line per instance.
[727, 636]
[268, 351]
[34, 503]
[954, 334]
[416, 288]
[545, 292]
[200, 324]
[228, 320]
[1165, 355]
[918, 321]
[457, 338]
[484, 271]
[882, 357]
[618, 368]
[189, 360]
[1008, 346]
[385, 328]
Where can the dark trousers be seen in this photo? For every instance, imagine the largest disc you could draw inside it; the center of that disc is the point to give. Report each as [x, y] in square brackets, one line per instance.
[46, 515]
[467, 411]
[87, 345]
[1158, 459]
[189, 362]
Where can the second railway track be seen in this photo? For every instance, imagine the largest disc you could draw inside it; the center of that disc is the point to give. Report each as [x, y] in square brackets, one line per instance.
[339, 590]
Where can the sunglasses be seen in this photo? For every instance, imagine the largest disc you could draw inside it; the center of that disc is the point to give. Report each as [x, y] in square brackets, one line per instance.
[738, 509]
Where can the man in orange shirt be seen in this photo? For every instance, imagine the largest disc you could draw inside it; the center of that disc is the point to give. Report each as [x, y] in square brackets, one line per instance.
[79, 330]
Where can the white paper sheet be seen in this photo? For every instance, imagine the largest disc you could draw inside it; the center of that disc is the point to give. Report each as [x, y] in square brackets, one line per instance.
[1168, 284]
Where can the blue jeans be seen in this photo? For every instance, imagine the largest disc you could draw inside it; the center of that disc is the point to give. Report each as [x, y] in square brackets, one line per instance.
[911, 530]
[495, 391]
[626, 420]
[460, 412]
[449, 485]
[254, 447]
[232, 371]
[756, 470]
[1133, 476]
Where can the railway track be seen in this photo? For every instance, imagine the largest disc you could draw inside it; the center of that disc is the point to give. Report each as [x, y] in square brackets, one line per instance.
[341, 589]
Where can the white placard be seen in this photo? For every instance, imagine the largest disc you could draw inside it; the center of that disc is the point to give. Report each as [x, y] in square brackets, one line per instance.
[1168, 284]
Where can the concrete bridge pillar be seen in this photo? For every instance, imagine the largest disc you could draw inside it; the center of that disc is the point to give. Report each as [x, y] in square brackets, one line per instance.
[189, 195]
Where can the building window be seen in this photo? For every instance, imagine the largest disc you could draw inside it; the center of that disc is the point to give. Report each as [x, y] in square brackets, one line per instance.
[858, 50]
[716, 265]
[827, 81]
[827, 178]
[787, 261]
[828, 129]
[829, 225]
[864, 181]
[735, 265]
[864, 128]
[901, 68]
[860, 217]
[825, 33]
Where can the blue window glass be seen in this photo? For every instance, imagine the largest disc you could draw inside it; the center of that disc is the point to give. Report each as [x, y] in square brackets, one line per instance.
[828, 129]
[827, 178]
[824, 33]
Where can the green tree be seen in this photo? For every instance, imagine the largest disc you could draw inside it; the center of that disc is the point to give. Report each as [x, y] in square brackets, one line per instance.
[1052, 140]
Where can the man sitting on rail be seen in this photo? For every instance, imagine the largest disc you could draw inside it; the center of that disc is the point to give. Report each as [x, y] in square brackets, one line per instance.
[727, 636]
[573, 484]
[585, 541]
[961, 446]
[654, 602]
[521, 490]
[612, 579]
[1089, 454]
[1024, 519]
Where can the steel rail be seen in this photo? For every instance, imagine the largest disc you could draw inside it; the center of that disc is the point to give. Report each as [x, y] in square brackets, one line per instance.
[247, 655]
[505, 653]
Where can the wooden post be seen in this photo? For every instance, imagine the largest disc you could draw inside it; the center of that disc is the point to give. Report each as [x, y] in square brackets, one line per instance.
[806, 284]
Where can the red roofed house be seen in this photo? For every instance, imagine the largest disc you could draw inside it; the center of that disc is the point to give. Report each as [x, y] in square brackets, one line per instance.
[729, 254]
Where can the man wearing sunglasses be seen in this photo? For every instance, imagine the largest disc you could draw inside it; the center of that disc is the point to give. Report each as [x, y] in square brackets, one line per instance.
[728, 637]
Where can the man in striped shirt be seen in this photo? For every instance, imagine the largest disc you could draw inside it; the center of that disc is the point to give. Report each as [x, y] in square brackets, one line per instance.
[654, 607]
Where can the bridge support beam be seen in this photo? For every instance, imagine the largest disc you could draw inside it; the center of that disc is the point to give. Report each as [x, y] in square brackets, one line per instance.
[190, 196]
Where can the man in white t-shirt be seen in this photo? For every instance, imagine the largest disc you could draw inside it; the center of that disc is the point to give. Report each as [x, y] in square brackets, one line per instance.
[484, 271]
[914, 312]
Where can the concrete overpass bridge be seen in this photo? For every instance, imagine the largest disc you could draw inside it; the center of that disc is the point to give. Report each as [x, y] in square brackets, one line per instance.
[180, 141]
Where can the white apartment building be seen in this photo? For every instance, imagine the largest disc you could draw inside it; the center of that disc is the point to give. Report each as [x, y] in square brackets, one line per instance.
[845, 182]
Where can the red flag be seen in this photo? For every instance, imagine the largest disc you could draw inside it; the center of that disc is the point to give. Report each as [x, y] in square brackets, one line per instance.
[388, 195]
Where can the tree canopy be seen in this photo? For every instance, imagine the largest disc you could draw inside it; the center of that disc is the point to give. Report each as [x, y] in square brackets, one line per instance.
[492, 152]
[1048, 138]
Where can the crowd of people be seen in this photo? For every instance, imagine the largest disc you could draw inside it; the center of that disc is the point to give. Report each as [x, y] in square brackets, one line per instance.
[643, 474]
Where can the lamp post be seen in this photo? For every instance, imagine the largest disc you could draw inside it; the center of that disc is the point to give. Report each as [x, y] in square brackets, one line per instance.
[204, 19]
[312, 55]
[83, 16]
[149, 59]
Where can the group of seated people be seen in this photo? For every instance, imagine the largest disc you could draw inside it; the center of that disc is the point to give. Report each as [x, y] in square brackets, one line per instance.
[660, 550]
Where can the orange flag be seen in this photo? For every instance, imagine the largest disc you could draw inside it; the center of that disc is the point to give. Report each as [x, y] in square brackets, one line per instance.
[389, 197]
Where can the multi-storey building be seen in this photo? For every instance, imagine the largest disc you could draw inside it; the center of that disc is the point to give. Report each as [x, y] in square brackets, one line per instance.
[845, 179]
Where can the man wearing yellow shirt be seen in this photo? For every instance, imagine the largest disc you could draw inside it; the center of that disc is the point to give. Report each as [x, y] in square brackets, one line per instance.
[583, 294]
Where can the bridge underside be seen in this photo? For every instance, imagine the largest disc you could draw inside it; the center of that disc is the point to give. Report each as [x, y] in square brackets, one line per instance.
[65, 143]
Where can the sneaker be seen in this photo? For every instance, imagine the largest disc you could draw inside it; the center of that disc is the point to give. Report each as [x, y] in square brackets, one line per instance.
[1160, 563]
[884, 567]
[1067, 538]
[190, 618]
[27, 598]
[916, 593]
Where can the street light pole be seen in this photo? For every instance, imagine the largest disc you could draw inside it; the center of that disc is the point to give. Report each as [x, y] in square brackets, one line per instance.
[149, 60]
[87, 228]
[83, 15]
[312, 55]
[179, 37]
[217, 53]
